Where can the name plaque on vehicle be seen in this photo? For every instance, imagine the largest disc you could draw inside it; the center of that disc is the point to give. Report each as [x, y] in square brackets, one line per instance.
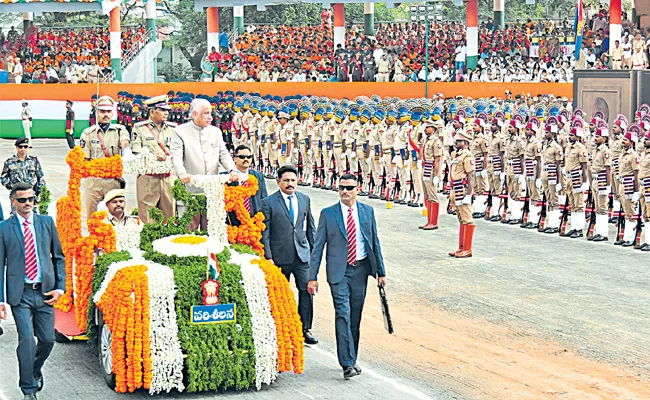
[213, 314]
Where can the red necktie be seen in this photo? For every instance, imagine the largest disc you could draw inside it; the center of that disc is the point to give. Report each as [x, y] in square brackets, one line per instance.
[247, 204]
[352, 238]
[31, 269]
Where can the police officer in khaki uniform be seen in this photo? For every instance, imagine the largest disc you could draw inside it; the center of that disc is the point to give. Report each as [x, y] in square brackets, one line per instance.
[284, 134]
[155, 134]
[480, 148]
[431, 162]
[644, 181]
[496, 160]
[553, 156]
[575, 164]
[462, 185]
[629, 166]
[533, 172]
[616, 147]
[601, 185]
[515, 177]
[617, 55]
[115, 201]
[103, 140]
[26, 116]
[387, 141]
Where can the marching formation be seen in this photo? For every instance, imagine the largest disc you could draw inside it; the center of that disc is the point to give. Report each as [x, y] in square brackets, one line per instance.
[523, 160]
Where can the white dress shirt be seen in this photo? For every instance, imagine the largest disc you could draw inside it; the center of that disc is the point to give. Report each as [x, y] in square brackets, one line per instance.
[294, 202]
[361, 249]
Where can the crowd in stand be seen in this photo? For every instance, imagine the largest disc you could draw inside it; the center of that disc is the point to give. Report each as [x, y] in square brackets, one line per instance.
[61, 55]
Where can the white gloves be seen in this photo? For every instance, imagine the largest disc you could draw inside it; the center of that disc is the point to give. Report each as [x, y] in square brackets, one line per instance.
[558, 187]
[419, 163]
[353, 155]
[467, 199]
[369, 160]
[522, 180]
[397, 160]
[635, 197]
[436, 181]
[342, 156]
[484, 174]
[538, 183]
[310, 152]
[502, 176]
[608, 189]
[295, 150]
[584, 187]
[127, 155]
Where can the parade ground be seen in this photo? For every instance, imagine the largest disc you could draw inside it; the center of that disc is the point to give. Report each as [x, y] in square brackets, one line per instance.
[529, 316]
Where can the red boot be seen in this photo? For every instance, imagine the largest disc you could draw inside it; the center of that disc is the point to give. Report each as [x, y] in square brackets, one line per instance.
[428, 223]
[432, 211]
[467, 242]
[461, 238]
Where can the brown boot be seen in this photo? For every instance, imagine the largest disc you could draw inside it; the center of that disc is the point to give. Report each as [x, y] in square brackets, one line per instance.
[425, 226]
[461, 238]
[432, 212]
[467, 242]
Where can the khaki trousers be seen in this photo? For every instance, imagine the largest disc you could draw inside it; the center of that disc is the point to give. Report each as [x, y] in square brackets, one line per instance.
[155, 192]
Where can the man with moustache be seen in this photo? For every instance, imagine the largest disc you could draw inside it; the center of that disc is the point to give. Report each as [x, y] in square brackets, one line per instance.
[243, 159]
[289, 237]
[601, 186]
[115, 201]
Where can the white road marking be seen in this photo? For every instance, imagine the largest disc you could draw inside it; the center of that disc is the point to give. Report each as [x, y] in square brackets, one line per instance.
[414, 393]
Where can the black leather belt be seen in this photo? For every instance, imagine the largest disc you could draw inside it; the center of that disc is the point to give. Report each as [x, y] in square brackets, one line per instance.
[34, 286]
[358, 262]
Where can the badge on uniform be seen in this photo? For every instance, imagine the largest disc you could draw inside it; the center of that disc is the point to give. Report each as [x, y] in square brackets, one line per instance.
[606, 155]
[82, 143]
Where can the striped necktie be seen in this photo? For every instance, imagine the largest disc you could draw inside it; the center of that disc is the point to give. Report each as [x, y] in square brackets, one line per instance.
[31, 269]
[352, 238]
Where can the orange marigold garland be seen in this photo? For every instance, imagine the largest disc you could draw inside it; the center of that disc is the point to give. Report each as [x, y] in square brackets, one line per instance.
[101, 235]
[125, 306]
[287, 321]
[249, 232]
[68, 218]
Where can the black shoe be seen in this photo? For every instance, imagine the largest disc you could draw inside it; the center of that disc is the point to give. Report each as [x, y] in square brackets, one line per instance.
[349, 372]
[532, 225]
[576, 234]
[614, 220]
[599, 238]
[31, 396]
[357, 368]
[478, 215]
[382, 198]
[515, 222]
[326, 187]
[363, 194]
[316, 186]
[619, 242]
[628, 244]
[645, 247]
[551, 230]
[309, 338]
[571, 232]
[526, 225]
[40, 382]
[409, 204]
[373, 196]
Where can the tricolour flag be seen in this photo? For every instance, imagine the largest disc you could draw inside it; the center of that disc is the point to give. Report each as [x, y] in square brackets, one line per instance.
[213, 266]
[578, 26]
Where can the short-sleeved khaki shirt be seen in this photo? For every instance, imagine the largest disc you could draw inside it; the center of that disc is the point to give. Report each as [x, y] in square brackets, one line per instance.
[93, 137]
[145, 134]
[602, 159]
[575, 156]
[462, 165]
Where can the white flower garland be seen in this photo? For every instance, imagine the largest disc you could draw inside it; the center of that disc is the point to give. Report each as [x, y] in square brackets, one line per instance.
[167, 246]
[213, 187]
[147, 163]
[127, 236]
[263, 324]
[166, 354]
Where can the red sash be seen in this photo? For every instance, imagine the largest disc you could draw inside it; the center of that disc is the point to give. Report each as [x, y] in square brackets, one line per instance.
[162, 146]
[101, 143]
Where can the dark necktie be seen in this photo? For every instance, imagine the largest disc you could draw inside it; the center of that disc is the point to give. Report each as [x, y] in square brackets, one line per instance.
[291, 209]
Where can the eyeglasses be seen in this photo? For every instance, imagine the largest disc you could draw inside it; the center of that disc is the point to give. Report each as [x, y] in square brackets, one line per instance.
[24, 200]
[244, 157]
[23, 146]
[348, 188]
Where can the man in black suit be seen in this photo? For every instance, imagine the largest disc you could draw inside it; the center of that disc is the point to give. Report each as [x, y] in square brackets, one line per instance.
[243, 157]
[33, 262]
[289, 237]
[347, 231]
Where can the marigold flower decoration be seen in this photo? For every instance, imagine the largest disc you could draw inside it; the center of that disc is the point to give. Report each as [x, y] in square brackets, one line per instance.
[249, 232]
[125, 306]
[287, 321]
[68, 207]
[101, 235]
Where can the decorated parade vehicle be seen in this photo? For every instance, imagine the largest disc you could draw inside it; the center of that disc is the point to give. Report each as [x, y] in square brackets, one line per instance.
[170, 309]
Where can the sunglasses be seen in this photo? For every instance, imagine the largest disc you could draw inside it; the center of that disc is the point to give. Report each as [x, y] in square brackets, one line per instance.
[244, 157]
[26, 199]
[348, 188]
[23, 146]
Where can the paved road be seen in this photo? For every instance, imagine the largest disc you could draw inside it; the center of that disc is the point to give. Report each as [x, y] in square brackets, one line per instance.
[529, 316]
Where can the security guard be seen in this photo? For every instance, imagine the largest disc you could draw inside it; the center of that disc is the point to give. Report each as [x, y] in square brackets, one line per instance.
[115, 201]
[69, 124]
[305, 137]
[155, 134]
[575, 164]
[629, 165]
[515, 177]
[26, 116]
[601, 185]
[462, 186]
[533, 168]
[387, 159]
[431, 154]
[480, 149]
[23, 168]
[284, 133]
[103, 140]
